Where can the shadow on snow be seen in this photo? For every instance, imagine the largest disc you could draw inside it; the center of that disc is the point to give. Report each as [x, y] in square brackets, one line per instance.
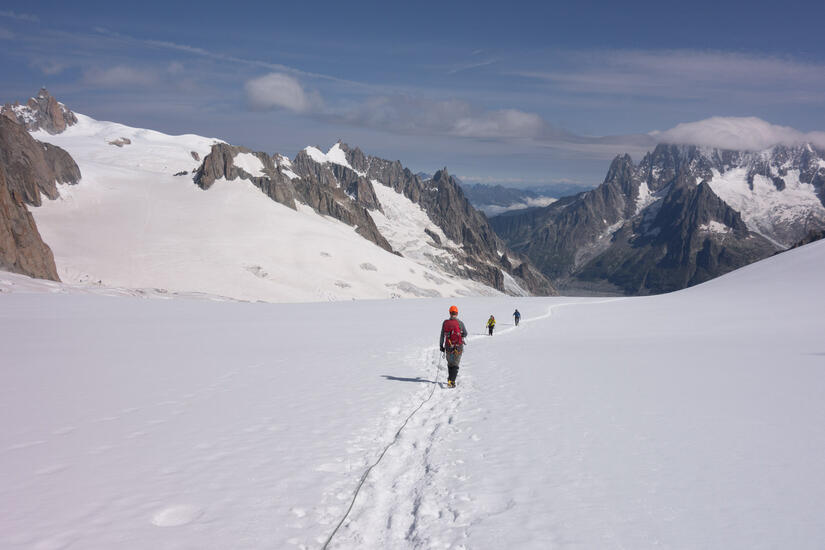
[402, 379]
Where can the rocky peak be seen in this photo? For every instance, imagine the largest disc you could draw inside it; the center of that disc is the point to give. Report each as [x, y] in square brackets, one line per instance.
[42, 112]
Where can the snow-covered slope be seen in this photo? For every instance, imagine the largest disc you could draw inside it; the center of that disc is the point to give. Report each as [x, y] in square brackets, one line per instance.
[131, 223]
[686, 420]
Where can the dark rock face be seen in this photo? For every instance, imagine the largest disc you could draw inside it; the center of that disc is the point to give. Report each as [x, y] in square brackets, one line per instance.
[42, 112]
[33, 167]
[655, 227]
[219, 163]
[22, 250]
[332, 176]
[442, 198]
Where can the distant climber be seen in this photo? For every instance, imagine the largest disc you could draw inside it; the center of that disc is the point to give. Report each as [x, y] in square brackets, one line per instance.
[491, 324]
[517, 316]
[451, 342]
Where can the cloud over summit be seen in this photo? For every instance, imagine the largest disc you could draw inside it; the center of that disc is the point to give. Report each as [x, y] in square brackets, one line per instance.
[737, 133]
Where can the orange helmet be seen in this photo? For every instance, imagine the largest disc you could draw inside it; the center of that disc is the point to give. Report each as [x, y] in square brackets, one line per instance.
[453, 310]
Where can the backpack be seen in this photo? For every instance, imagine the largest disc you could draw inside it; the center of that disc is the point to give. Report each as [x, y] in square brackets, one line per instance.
[452, 329]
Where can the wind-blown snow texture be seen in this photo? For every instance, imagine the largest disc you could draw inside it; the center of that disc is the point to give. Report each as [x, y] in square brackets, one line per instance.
[131, 223]
[686, 420]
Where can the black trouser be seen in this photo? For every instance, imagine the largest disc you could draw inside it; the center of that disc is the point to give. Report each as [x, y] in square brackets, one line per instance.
[491, 330]
[453, 359]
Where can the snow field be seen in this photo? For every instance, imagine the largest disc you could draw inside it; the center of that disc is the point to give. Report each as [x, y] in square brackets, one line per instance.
[686, 420]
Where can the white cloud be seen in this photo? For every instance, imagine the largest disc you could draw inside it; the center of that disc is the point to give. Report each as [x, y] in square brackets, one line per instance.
[121, 76]
[737, 133]
[280, 91]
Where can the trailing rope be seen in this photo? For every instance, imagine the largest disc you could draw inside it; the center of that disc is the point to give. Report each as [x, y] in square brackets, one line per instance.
[381, 456]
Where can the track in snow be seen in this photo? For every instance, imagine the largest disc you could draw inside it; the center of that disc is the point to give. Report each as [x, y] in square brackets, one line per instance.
[406, 490]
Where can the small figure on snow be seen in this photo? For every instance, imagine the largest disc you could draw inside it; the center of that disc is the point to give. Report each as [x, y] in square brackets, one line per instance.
[491, 324]
[517, 316]
[452, 342]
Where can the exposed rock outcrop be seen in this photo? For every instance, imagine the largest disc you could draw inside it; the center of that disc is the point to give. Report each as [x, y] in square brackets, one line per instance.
[317, 188]
[42, 112]
[220, 163]
[33, 167]
[22, 250]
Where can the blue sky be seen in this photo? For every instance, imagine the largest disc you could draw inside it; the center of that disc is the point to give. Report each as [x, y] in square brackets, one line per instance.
[519, 93]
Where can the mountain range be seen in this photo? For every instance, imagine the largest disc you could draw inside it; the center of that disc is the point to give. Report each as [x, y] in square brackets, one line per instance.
[196, 214]
[683, 215]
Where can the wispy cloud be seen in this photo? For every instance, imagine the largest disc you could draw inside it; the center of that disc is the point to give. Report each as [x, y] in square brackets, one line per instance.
[219, 56]
[6, 34]
[121, 76]
[49, 67]
[472, 65]
[19, 16]
[683, 75]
